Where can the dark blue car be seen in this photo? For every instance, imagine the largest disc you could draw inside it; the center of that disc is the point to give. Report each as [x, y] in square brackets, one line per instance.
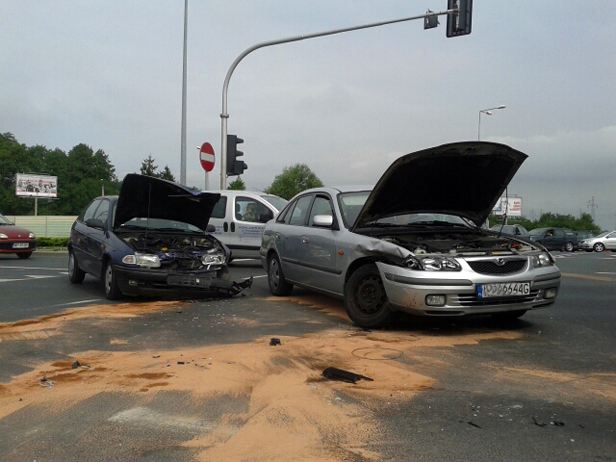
[151, 239]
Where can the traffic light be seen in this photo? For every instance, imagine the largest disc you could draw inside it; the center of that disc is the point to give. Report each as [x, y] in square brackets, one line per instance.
[234, 166]
[460, 22]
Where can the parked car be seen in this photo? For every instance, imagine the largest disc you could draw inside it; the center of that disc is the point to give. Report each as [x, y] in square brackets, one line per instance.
[604, 241]
[514, 230]
[239, 218]
[151, 239]
[414, 242]
[555, 238]
[14, 239]
[583, 235]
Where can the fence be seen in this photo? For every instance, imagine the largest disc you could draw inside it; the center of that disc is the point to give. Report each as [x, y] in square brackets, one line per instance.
[45, 226]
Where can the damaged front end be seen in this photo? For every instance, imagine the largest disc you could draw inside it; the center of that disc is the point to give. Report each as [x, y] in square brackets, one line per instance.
[176, 260]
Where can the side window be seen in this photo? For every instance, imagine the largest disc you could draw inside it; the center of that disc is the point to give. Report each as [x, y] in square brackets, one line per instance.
[611, 236]
[283, 216]
[321, 206]
[559, 233]
[220, 207]
[298, 217]
[89, 212]
[102, 212]
[249, 209]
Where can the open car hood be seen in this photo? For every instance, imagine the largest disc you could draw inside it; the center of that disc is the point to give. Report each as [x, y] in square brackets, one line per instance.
[464, 179]
[148, 197]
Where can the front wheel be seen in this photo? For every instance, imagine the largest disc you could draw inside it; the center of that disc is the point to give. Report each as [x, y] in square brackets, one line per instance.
[598, 247]
[365, 300]
[569, 246]
[24, 255]
[275, 277]
[110, 282]
[75, 274]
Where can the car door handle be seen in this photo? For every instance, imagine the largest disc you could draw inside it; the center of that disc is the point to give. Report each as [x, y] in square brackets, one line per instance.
[277, 236]
[305, 240]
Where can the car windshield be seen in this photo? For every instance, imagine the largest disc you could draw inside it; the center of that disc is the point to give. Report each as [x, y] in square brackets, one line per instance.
[159, 224]
[4, 220]
[351, 204]
[604, 234]
[277, 202]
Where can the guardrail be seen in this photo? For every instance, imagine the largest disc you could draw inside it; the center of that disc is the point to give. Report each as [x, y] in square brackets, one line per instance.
[45, 226]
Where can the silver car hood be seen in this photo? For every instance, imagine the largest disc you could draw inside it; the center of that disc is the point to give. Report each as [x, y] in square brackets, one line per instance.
[464, 179]
[148, 197]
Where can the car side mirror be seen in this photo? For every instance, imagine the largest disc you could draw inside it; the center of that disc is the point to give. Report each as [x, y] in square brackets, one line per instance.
[95, 223]
[324, 221]
[265, 217]
[210, 228]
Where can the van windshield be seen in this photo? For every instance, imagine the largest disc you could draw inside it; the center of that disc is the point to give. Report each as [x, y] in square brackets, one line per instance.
[277, 202]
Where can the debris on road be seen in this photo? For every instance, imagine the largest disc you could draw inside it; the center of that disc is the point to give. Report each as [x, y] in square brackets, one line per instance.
[344, 376]
[275, 341]
[75, 365]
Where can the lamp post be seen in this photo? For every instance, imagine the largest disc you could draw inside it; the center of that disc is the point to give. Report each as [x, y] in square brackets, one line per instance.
[486, 112]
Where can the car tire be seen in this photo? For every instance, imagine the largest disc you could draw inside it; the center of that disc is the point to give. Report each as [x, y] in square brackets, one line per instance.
[110, 283]
[278, 285]
[509, 315]
[569, 247]
[365, 300]
[75, 274]
[598, 247]
[24, 255]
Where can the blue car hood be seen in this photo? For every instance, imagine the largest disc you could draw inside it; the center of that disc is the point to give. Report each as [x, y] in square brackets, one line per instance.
[148, 197]
[464, 179]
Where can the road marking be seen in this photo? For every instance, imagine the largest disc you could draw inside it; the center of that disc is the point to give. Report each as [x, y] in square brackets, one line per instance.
[28, 278]
[33, 268]
[584, 276]
[605, 272]
[80, 301]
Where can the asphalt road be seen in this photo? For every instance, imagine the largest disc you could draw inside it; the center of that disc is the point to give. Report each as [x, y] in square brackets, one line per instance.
[540, 388]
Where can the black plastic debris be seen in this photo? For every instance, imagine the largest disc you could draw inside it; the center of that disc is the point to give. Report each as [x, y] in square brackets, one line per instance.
[75, 365]
[275, 341]
[344, 376]
[538, 424]
[473, 424]
[181, 362]
[558, 423]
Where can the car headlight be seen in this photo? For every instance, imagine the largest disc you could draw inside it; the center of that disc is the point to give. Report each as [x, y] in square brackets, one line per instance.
[213, 257]
[32, 236]
[145, 260]
[431, 263]
[3, 236]
[542, 260]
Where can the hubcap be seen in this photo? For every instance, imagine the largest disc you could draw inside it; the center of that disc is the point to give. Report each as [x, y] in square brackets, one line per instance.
[108, 278]
[274, 274]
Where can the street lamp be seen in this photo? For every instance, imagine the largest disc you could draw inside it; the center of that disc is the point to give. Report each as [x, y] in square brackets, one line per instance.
[486, 112]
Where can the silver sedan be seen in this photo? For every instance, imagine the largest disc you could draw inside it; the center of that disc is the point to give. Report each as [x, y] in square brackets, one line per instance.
[605, 241]
[403, 247]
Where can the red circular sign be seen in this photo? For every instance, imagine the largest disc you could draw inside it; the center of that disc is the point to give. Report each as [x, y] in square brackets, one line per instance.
[206, 156]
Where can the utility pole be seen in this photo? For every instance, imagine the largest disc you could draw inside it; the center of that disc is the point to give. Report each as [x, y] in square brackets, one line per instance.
[592, 205]
[183, 142]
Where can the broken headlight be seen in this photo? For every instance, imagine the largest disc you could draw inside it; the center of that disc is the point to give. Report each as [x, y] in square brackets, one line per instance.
[542, 260]
[213, 257]
[145, 260]
[431, 263]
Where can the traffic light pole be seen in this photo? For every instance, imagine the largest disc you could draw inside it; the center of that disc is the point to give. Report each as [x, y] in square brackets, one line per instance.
[224, 116]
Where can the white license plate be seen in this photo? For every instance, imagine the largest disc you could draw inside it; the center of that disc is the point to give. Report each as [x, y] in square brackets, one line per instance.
[21, 245]
[508, 289]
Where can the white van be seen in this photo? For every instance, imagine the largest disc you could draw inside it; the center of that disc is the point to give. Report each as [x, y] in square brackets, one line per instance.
[239, 218]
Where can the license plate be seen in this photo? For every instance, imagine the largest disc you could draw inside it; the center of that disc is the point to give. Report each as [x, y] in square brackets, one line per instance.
[508, 289]
[21, 245]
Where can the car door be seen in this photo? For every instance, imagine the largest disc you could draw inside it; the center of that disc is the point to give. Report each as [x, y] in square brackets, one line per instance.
[96, 238]
[550, 241]
[610, 241]
[288, 238]
[79, 237]
[246, 228]
[318, 248]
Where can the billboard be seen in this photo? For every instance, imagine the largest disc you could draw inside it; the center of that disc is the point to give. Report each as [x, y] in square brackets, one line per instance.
[510, 206]
[29, 185]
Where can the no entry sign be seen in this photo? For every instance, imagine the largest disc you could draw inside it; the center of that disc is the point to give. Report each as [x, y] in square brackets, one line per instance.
[206, 155]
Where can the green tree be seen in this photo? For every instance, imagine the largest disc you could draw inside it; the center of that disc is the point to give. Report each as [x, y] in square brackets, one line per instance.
[237, 184]
[166, 174]
[293, 180]
[148, 168]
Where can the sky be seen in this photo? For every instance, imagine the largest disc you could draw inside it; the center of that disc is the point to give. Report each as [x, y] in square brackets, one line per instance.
[108, 73]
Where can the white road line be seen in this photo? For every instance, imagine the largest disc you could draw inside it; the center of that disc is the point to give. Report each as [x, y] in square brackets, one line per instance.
[63, 268]
[28, 278]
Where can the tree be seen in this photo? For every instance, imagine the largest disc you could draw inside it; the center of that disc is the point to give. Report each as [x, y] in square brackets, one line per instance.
[166, 174]
[147, 167]
[293, 180]
[237, 184]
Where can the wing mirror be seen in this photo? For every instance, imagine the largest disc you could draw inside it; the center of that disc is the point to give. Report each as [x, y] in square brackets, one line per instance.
[95, 223]
[324, 221]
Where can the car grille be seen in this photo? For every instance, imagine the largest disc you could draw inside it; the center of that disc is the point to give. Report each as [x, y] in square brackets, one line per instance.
[472, 300]
[490, 267]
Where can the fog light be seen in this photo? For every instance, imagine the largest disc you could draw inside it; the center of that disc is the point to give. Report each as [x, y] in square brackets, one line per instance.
[132, 282]
[550, 293]
[435, 300]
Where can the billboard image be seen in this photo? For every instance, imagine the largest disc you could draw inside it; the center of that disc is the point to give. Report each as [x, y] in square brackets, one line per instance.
[28, 185]
[510, 206]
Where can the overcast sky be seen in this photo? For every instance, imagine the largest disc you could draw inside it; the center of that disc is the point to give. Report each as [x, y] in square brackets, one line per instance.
[109, 74]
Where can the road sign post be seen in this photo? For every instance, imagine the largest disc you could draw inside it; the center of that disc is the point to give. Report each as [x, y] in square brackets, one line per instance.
[208, 160]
